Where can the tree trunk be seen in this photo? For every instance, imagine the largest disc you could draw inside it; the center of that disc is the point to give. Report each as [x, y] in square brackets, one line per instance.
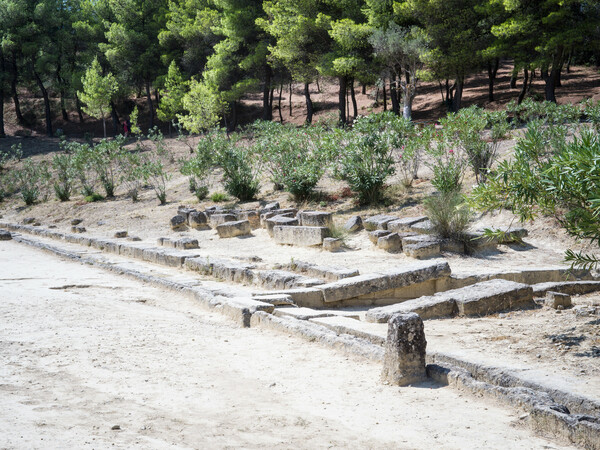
[492, 68]
[550, 84]
[290, 101]
[47, 110]
[342, 100]
[78, 106]
[557, 80]
[2, 76]
[384, 93]
[407, 109]
[104, 125]
[267, 113]
[353, 97]
[513, 77]
[457, 100]
[569, 61]
[394, 96]
[318, 85]
[271, 96]
[279, 102]
[364, 89]
[309, 103]
[15, 95]
[234, 118]
[115, 118]
[524, 88]
[150, 104]
[63, 108]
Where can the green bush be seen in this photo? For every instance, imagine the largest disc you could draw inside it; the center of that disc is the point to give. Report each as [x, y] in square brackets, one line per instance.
[65, 174]
[94, 197]
[83, 164]
[32, 180]
[106, 159]
[449, 214]
[219, 197]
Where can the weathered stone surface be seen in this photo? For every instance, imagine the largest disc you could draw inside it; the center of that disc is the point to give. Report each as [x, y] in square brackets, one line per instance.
[452, 245]
[313, 270]
[427, 307]
[303, 313]
[233, 229]
[28, 220]
[121, 234]
[566, 287]
[371, 332]
[270, 207]
[302, 236]
[218, 219]
[280, 279]
[186, 244]
[489, 297]
[76, 221]
[178, 223]
[288, 212]
[332, 244]
[315, 219]
[305, 297]
[279, 221]
[390, 243]
[198, 220]
[404, 224]
[5, 235]
[510, 234]
[424, 227]
[476, 241]
[211, 210]
[558, 300]
[77, 229]
[378, 222]
[185, 211]
[223, 269]
[421, 248]
[405, 349]
[354, 224]
[274, 299]
[250, 216]
[134, 238]
[375, 235]
[375, 282]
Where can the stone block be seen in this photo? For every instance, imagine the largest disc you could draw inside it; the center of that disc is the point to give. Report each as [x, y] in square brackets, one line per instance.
[422, 250]
[476, 241]
[315, 219]
[279, 221]
[378, 222]
[390, 243]
[302, 236]
[452, 245]
[78, 229]
[280, 279]
[375, 235]
[404, 224]
[250, 216]
[558, 300]
[5, 235]
[186, 244]
[289, 212]
[274, 299]
[121, 234]
[303, 313]
[427, 307]
[76, 221]
[566, 287]
[332, 244]
[270, 207]
[218, 219]
[354, 224]
[347, 325]
[178, 223]
[234, 229]
[185, 212]
[29, 220]
[489, 297]
[198, 220]
[405, 348]
[134, 238]
[424, 227]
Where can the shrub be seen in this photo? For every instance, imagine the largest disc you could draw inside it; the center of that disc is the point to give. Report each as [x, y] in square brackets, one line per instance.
[449, 214]
[201, 166]
[83, 165]
[94, 197]
[411, 153]
[152, 167]
[219, 197]
[106, 158]
[65, 174]
[132, 174]
[32, 181]
[14, 153]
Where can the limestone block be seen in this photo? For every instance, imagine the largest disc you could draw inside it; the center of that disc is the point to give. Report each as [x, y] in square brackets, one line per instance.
[77, 229]
[233, 229]
[178, 223]
[218, 219]
[492, 296]
[404, 224]
[274, 299]
[269, 207]
[478, 242]
[279, 221]
[5, 235]
[185, 211]
[405, 348]
[423, 249]
[566, 287]
[347, 325]
[354, 224]
[332, 244]
[76, 221]
[378, 222]
[28, 220]
[375, 235]
[423, 227]
[186, 244]
[558, 300]
[250, 216]
[281, 279]
[121, 234]
[302, 236]
[390, 243]
[315, 219]
[288, 212]
[198, 220]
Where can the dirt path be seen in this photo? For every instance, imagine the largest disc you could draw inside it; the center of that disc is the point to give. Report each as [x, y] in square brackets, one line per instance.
[83, 351]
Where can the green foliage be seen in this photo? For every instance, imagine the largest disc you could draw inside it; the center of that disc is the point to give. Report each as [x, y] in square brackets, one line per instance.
[447, 162]
[200, 167]
[83, 165]
[549, 178]
[31, 180]
[449, 214]
[240, 175]
[105, 160]
[94, 197]
[6, 156]
[219, 197]
[171, 101]
[204, 107]
[98, 91]
[65, 174]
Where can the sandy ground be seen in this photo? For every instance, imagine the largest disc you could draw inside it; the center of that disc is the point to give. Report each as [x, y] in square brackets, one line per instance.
[84, 351]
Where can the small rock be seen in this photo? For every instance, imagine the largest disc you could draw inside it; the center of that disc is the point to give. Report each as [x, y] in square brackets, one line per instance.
[121, 234]
[198, 220]
[76, 221]
[558, 300]
[28, 220]
[134, 238]
[5, 235]
[78, 230]
[332, 244]
[116, 427]
[354, 224]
